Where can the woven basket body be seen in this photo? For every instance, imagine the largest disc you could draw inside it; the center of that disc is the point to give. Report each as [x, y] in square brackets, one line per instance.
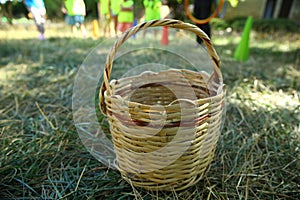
[164, 125]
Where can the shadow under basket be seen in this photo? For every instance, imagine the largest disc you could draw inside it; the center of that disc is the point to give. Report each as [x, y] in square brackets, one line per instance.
[164, 125]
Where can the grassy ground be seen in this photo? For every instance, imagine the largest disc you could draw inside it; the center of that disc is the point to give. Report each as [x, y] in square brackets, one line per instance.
[42, 156]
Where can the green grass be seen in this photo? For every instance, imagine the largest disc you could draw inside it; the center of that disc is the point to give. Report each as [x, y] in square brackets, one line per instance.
[42, 156]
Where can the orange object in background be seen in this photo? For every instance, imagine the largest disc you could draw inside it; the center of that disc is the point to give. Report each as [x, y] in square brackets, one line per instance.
[202, 21]
[95, 28]
[164, 38]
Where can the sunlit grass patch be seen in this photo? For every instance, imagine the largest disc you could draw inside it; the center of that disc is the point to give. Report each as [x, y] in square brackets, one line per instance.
[259, 96]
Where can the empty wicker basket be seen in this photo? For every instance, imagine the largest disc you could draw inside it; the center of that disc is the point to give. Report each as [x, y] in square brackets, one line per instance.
[164, 125]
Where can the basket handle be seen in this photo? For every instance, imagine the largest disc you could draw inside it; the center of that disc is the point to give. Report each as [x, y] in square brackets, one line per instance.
[217, 76]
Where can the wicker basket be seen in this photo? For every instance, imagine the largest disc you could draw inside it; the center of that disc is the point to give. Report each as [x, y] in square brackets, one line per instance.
[164, 125]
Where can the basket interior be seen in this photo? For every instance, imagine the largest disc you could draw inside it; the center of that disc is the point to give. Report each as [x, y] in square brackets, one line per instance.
[164, 87]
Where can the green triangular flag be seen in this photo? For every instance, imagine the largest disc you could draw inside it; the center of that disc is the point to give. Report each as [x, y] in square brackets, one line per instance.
[242, 51]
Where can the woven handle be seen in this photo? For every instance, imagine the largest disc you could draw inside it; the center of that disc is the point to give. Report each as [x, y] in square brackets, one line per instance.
[217, 76]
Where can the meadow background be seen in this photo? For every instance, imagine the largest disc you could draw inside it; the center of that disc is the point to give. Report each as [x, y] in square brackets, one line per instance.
[42, 156]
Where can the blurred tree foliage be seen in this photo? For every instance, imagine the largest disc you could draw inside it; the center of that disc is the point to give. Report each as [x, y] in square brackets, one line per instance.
[177, 8]
[53, 8]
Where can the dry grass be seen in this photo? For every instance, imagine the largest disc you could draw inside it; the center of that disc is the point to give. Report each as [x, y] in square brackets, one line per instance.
[42, 156]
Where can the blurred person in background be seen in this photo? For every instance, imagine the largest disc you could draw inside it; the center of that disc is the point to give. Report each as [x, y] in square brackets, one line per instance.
[152, 12]
[126, 15]
[75, 11]
[202, 10]
[104, 16]
[37, 10]
[115, 8]
[108, 11]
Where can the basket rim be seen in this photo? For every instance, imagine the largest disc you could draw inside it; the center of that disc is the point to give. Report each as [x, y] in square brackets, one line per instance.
[221, 90]
[217, 96]
[204, 73]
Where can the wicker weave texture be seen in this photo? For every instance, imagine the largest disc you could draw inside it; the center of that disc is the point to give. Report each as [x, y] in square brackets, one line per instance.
[164, 125]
